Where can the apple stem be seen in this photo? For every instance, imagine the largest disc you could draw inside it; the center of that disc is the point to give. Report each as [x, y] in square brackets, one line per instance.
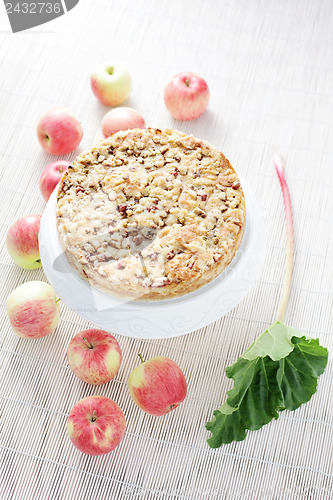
[58, 300]
[88, 344]
[110, 70]
[187, 82]
[290, 238]
[94, 417]
[140, 356]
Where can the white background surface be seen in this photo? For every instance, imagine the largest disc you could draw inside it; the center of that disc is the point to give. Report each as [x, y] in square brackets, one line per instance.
[269, 68]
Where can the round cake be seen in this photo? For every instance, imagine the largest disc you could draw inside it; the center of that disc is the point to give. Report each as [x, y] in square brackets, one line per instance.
[150, 214]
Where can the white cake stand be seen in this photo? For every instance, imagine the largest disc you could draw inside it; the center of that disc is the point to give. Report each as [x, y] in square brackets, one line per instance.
[155, 319]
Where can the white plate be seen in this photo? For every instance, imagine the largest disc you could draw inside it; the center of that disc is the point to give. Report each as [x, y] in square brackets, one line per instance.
[155, 319]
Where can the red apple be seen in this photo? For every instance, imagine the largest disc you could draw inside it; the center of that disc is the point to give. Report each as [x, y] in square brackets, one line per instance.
[186, 96]
[33, 310]
[96, 425]
[22, 242]
[50, 177]
[121, 119]
[111, 83]
[94, 356]
[59, 132]
[157, 386]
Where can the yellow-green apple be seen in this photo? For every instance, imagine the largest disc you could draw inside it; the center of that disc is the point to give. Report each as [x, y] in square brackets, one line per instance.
[111, 83]
[59, 132]
[94, 356]
[157, 386]
[50, 177]
[22, 242]
[33, 310]
[121, 118]
[96, 425]
[186, 96]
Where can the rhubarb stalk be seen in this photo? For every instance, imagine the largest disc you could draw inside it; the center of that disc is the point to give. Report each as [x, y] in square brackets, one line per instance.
[290, 238]
[279, 371]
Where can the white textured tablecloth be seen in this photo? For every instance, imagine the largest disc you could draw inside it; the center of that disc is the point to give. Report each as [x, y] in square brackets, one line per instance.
[270, 72]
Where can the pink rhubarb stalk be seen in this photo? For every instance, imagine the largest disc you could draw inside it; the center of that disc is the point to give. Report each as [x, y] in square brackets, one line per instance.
[290, 238]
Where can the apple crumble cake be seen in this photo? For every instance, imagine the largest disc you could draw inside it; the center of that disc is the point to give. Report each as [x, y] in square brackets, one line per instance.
[150, 214]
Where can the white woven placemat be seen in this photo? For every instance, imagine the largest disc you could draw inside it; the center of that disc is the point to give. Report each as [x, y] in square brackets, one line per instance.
[269, 68]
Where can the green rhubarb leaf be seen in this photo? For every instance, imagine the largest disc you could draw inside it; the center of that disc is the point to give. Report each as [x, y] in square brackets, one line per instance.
[264, 386]
[299, 371]
[226, 426]
[275, 342]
